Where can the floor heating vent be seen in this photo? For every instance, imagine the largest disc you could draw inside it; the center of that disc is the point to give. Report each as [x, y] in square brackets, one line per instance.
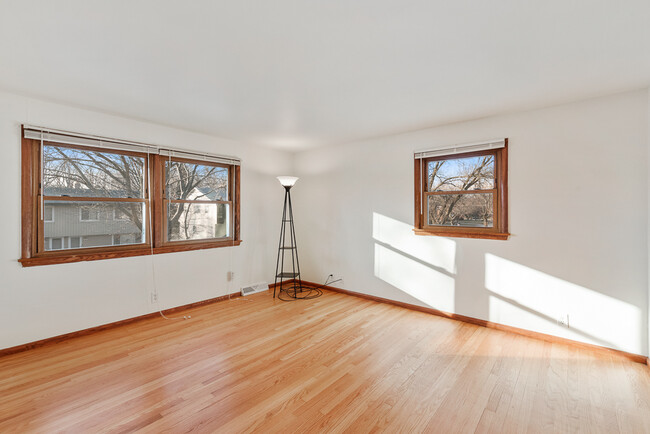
[252, 289]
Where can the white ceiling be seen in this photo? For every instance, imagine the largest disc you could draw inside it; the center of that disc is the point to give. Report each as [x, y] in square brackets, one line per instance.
[295, 74]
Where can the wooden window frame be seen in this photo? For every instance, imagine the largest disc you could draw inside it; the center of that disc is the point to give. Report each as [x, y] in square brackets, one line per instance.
[499, 231]
[32, 249]
[164, 201]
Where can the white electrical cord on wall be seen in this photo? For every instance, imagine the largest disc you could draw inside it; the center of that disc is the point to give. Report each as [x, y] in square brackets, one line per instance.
[230, 277]
[230, 255]
[153, 267]
[41, 187]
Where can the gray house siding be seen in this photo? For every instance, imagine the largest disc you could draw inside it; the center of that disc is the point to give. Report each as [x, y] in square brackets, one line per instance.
[68, 230]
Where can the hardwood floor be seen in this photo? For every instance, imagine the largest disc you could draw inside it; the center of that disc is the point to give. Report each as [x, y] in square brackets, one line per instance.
[337, 363]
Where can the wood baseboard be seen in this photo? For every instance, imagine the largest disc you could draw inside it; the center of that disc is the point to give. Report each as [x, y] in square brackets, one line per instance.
[493, 325]
[479, 322]
[71, 335]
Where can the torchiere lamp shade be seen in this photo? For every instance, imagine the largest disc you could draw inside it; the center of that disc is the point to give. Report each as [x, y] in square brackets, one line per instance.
[287, 181]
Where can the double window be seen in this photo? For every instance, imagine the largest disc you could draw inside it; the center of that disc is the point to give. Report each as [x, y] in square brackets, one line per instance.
[85, 203]
[462, 194]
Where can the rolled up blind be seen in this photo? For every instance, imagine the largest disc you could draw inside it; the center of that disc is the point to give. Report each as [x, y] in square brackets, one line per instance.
[200, 156]
[461, 149]
[69, 138]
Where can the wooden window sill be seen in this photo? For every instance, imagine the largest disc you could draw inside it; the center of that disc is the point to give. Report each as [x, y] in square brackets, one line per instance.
[459, 234]
[50, 259]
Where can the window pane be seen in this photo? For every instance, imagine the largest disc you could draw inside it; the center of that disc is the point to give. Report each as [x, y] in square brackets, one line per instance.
[120, 215]
[92, 224]
[56, 244]
[197, 221]
[468, 210]
[97, 241]
[89, 213]
[81, 173]
[187, 181]
[470, 173]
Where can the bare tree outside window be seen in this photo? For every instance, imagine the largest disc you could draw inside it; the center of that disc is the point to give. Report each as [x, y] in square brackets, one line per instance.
[75, 172]
[461, 191]
[197, 193]
[92, 173]
[115, 182]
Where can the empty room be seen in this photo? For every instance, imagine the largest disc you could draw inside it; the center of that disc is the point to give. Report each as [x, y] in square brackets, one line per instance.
[295, 216]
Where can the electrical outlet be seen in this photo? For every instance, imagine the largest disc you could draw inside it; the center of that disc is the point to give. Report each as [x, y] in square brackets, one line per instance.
[335, 278]
[154, 297]
[231, 276]
[563, 320]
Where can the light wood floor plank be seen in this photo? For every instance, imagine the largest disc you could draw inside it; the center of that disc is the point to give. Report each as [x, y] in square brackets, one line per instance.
[333, 364]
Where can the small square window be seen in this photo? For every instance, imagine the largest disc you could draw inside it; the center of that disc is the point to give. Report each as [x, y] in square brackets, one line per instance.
[89, 214]
[56, 244]
[119, 214]
[48, 214]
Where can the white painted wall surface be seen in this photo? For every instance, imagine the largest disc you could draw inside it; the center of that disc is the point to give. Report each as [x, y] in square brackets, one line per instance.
[45, 301]
[354, 211]
[578, 194]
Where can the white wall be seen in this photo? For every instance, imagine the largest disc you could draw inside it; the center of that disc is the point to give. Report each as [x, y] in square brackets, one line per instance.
[579, 201]
[45, 301]
[578, 194]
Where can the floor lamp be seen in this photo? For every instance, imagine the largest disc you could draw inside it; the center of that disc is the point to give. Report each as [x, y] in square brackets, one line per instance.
[288, 252]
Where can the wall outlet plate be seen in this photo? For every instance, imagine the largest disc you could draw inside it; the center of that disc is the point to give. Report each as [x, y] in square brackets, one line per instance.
[337, 278]
[563, 320]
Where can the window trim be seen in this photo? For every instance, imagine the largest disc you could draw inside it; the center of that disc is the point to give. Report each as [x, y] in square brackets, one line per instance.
[499, 231]
[33, 253]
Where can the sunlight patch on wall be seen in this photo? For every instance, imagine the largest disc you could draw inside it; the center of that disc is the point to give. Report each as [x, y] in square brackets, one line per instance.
[437, 251]
[431, 287]
[527, 298]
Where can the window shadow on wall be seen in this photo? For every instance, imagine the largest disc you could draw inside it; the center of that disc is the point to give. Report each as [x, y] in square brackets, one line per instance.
[522, 295]
[424, 268]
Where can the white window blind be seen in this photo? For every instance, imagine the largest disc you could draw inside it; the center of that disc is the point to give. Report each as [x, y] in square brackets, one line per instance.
[461, 149]
[69, 138]
[199, 156]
